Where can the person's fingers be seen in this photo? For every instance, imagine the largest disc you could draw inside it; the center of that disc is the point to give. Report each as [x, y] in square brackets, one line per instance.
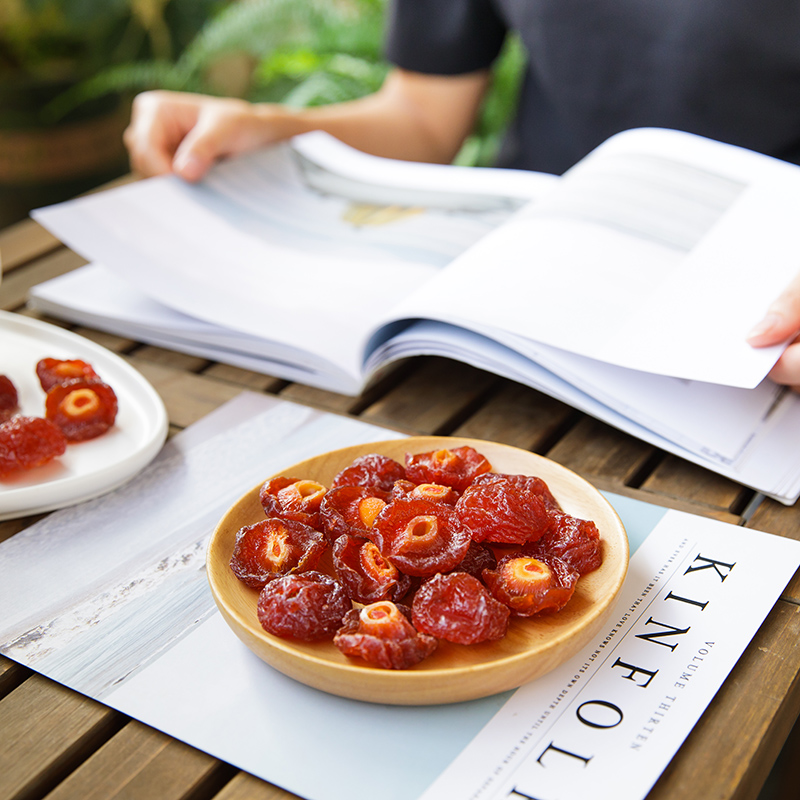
[782, 319]
[787, 367]
[159, 121]
[216, 134]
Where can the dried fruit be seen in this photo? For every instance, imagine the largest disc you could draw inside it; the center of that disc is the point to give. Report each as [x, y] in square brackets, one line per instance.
[457, 607]
[274, 547]
[28, 442]
[372, 471]
[477, 559]
[292, 498]
[575, 541]
[349, 510]
[530, 585]
[52, 371]
[457, 467]
[504, 508]
[9, 400]
[82, 408]
[420, 537]
[381, 634]
[366, 575]
[303, 605]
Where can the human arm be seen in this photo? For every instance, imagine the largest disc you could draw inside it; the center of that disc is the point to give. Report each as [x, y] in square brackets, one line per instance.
[782, 322]
[414, 117]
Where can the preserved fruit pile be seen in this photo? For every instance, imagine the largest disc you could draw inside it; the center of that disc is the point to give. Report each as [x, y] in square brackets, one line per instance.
[78, 406]
[439, 549]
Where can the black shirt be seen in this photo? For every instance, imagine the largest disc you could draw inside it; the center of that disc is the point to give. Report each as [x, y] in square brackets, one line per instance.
[726, 69]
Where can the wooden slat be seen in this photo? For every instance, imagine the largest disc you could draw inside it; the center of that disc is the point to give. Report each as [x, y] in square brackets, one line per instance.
[732, 748]
[254, 381]
[317, 398]
[518, 416]
[140, 762]
[774, 517]
[11, 675]
[246, 787]
[46, 730]
[22, 242]
[15, 286]
[601, 454]
[676, 478]
[187, 397]
[432, 400]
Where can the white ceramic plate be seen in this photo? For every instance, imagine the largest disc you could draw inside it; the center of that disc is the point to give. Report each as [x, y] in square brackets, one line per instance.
[87, 469]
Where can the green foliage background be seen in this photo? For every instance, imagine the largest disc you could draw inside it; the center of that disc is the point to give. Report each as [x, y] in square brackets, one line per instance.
[298, 52]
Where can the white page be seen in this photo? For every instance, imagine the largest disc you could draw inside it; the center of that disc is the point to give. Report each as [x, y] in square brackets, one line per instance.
[673, 291]
[256, 249]
[768, 463]
[625, 703]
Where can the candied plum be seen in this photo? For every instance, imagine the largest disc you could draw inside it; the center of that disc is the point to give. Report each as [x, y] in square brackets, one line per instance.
[28, 442]
[505, 509]
[82, 408]
[476, 560]
[52, 371]
[303, 605]
[575, 541]
[435, 491]
[457, 467]
[457, 607]
[420, 537]
[530, 585]
[274, 547]
[292, 498]
[381, 634]
[365, 574]
[372, 471]
[526, 484]
[349, 510]
[9, 400]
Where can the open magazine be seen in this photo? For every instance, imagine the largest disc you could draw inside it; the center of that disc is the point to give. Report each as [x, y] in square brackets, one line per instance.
[625, 287]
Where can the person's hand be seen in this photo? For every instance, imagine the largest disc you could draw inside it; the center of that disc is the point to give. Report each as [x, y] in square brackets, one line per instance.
[781, 322]
[174, 132]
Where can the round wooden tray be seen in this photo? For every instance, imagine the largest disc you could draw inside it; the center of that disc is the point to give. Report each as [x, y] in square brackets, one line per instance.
[531, 648]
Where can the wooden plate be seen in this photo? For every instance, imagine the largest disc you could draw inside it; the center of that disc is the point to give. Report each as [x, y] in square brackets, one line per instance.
[453, 673]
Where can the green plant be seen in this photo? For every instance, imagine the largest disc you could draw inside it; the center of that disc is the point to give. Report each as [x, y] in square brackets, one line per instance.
[60, 42]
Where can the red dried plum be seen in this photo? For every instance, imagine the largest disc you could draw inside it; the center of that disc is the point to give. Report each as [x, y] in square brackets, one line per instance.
[504, 510]
[476, 560]
[530, 585]
[528, 484]
[82, 408]
[274, 547]
[28, 442]
[52, 371]
[436, 492]
[304, 605]
[298, 499]
[372, 471]
[420, 537]
[457, 467]
[349, 510]
[575, 541]
[365, 574]
[9, 400]
[457, 607]
[381, 634]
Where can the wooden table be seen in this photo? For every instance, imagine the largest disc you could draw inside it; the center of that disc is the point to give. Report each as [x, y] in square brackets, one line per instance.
[56, 743]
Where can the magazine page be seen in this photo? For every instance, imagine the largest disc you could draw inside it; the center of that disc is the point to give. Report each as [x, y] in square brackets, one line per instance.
[764, 443]
[657, 253]
[122, 612]
[257, 248]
